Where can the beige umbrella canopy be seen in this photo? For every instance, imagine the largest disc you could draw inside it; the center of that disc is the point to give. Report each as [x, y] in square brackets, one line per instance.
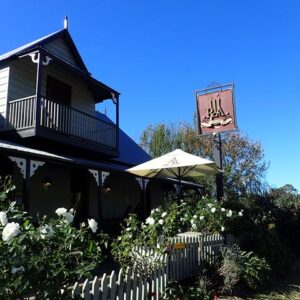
[176, 164]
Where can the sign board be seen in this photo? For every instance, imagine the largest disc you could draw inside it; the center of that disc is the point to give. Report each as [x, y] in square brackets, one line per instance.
[179, 245]
[215, 110]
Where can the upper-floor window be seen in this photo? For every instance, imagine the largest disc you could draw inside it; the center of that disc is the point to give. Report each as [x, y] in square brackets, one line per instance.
[58, 91]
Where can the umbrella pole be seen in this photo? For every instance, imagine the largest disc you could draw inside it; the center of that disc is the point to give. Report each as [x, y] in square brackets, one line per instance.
[179, 190]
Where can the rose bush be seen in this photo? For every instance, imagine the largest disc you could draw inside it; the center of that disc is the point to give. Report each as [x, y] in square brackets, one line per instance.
[44, 258]
[204, 215]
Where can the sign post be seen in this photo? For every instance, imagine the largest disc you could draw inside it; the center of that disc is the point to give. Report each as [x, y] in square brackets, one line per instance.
[216, 114]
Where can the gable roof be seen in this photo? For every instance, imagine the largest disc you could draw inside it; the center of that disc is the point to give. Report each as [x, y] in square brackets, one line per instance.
[99, 89]
[64, 33]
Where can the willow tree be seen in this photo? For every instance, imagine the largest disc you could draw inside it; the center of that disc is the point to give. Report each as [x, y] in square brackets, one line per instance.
[244, 165]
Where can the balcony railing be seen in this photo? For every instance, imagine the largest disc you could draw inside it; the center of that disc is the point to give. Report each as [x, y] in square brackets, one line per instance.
[62, 119]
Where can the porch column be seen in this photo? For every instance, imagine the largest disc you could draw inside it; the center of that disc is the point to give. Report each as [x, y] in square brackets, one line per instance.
[115, 99]
[38, 89]
[143, 182]
[102, 176]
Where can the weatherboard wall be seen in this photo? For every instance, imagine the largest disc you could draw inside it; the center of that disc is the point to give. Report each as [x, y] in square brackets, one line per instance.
[82, 98]
[22, 83]
[22, 79]
[4, 78]
[60, 48]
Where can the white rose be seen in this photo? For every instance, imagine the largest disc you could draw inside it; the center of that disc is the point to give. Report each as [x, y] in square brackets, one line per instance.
[61, 211]
[222, 228]
[161, 221]
[16, 270]
[240, 213]
[93, 225]
[157, 209]
[201, 218]
[223, 209]
[150, 221]
[194, 226]
[128, 229]
[3, 218]
[195, 216]
[209, 205]
[213, 210]
[68, 217]
[163, 214]
[10, 231]
[229, 213]
[46, 231]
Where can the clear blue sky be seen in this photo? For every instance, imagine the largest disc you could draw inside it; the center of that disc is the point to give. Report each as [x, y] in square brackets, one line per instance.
[158, 52]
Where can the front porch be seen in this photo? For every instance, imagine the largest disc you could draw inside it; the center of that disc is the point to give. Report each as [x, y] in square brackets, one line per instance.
[101, 190]
[52, 99]
[61, 123]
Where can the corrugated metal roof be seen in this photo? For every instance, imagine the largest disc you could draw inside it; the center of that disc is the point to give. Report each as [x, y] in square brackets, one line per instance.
[22, 150]
[130, 152]
[27, 46]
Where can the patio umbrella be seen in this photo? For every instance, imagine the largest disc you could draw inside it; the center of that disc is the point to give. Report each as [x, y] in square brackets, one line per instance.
[176, 164]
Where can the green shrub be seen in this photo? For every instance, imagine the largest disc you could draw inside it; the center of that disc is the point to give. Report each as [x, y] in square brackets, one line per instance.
[244, 269]
[41, 259]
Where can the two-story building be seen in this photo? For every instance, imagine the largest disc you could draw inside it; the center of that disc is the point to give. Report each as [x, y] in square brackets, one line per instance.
[60, 151]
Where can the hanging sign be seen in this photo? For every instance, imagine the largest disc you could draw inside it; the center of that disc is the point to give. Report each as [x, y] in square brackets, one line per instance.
[215, 110]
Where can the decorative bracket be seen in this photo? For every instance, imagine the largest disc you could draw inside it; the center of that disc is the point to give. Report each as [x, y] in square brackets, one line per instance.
[95, 174]
[143, 182]
[21, 164]
[47, 61]
[114, 98]
[34, 165]
[140, 182]
[104, 175]
[35, 58]
[146, 181]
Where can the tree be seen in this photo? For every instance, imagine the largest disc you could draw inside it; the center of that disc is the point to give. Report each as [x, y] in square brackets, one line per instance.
[243, 159]
[285, 197]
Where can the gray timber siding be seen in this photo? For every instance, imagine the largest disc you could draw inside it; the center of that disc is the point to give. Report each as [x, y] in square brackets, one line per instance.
[59, 47]
[22, 79]
[22, 83]
[4, 75]
[82, 98]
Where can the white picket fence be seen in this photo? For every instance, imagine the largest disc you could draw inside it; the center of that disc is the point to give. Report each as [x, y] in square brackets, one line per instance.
[181, 264]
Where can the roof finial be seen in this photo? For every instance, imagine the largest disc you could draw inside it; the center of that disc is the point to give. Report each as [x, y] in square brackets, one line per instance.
[66, 25]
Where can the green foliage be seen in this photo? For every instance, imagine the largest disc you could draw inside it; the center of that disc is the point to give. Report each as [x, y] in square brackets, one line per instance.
[199, 289]
[139, 247]
[243, 159]
[173, 291]
[255, 270]
[286, 197]
[244, 269]
[209, 216]
[230, 269]
[41, 259]
[137, 239]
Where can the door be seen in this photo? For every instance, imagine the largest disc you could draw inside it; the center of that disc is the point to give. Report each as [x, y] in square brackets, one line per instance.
[56, 106]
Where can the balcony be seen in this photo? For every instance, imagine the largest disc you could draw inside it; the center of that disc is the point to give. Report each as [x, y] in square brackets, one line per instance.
[52, 120]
